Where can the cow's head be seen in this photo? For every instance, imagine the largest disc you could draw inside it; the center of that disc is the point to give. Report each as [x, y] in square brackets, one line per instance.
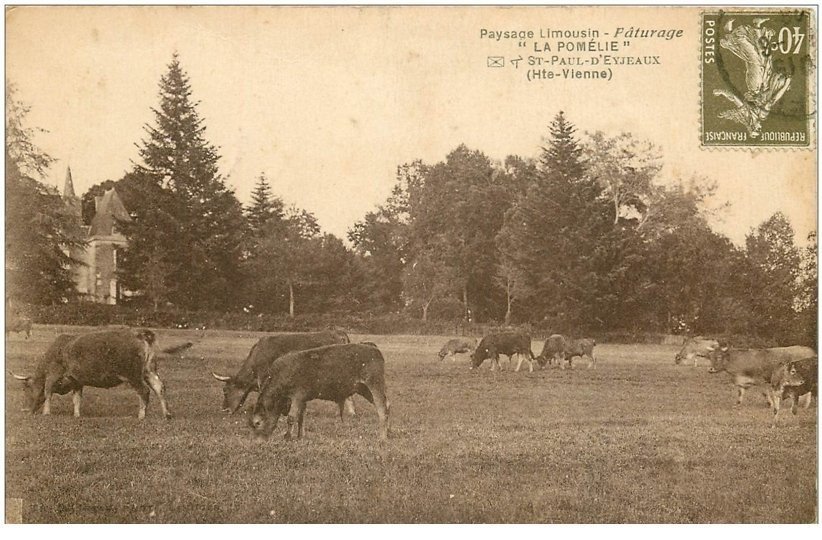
[35, 396]
[267, 412]
[541, 360]
[678, 358]
[719, 358]
[790, 377]
[234, 394]
[478, 356]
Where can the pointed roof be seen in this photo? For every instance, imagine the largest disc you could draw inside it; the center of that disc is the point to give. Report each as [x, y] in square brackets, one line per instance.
[68, 186]
[110, 208]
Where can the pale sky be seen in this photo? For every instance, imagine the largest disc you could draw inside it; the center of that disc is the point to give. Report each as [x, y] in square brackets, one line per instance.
[328, 101]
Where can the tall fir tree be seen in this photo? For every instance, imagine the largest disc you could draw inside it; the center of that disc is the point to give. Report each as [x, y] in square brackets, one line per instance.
[40, 229]
[264, 207]
[188, 214]
[557, 236]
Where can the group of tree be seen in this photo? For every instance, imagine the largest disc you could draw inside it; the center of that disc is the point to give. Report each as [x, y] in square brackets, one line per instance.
[40, 230]
[584, 237]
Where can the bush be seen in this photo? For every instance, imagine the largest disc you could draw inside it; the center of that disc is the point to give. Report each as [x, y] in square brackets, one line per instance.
[91, 314]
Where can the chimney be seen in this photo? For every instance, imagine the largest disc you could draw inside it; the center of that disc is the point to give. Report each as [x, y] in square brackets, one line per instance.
[98, 199]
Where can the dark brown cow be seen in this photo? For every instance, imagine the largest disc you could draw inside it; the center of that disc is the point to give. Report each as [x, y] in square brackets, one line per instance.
[102, 359]
[560, 348]
[18, 323]
[750, 367]
[255, 368]
[332, 373]
[507, 343]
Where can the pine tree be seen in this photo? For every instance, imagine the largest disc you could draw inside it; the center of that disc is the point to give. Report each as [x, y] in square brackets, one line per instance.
[188, 209]
[264, 207]
[40, 229]
[557, 235]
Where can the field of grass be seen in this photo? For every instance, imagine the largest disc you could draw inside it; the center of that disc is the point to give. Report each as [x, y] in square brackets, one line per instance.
[636, 440]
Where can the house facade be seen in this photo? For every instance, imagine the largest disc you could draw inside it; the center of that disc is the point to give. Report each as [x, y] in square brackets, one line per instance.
[96, 278]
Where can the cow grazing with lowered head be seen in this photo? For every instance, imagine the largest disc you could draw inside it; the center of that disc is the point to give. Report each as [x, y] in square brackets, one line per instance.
[807, 368]
[560, 348]
[784, 377]
[102, 359]
[332, 373]
[751, 367]
[507, 343]
[457, 345]
[695, 348]
[18, 323]
[254, 370]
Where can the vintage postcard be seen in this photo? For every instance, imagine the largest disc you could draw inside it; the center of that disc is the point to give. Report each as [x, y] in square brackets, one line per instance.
[411, 264]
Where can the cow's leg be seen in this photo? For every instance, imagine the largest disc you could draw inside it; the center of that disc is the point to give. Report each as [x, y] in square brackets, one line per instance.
[741, 394]
[794, 401]
[776, 399]
[156, 385]
[519, 361]
[295, 413]
[300, 418]
[382, 405]
[76, 398]
[349, 406]
[143, 392]
[48, 389]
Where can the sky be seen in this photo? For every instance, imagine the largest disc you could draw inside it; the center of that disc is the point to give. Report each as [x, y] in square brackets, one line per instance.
[327, 102]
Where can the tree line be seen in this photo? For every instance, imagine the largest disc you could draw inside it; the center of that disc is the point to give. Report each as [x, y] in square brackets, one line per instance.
[582, 238]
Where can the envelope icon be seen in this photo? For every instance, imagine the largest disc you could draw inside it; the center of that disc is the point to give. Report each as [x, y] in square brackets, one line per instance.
[496, 61]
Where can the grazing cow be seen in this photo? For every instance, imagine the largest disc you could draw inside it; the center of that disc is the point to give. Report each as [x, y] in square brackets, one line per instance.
[457, 345]
[332, 373]
[696, 348]
[807, 369]
[558, 347]
[507, 343]
[18, 323]
[784, 377]
[248, 379]
[755, 366]
[102, 359]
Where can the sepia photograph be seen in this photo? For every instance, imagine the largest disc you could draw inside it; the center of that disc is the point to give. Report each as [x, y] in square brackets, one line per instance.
[411, 264]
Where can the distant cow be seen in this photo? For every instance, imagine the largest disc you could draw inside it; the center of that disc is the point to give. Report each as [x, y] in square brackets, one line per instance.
[253, 371]
[457, 345]
[755, 366]
[696, 348]
[558, 347]
[508, 343]
[102, 359]
[807, 369]
[18, 323]
[783, 378]
[332, 373]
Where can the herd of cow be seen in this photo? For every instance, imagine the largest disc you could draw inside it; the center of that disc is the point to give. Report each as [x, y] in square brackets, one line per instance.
[288, 370]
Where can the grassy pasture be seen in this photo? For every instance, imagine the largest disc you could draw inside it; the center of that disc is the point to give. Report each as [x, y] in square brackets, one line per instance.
[637, 440]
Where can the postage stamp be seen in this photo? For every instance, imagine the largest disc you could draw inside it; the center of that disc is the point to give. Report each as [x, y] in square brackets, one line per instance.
[757, 72]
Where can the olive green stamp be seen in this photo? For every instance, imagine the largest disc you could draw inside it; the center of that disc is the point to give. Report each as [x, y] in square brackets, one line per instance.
[757, 76]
